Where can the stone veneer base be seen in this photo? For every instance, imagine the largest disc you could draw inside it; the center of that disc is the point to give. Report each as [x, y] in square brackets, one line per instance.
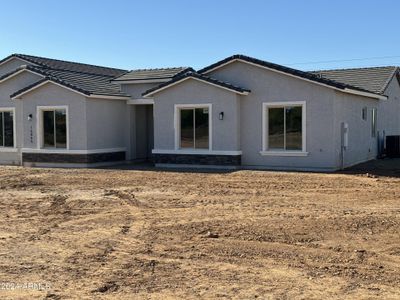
[72, 158]
[198, 159]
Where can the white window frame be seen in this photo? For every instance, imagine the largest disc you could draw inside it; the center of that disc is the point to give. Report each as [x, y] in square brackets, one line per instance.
[10, 109]
[177, 126]
[39, 125]
[265, 148]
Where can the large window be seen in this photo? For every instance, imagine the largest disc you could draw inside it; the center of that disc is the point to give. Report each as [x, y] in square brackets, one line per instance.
[194, 127]
[54, 126]
[6, 128]
[284, 127]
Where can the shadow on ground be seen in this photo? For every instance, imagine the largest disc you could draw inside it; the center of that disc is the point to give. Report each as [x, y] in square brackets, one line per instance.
[389, 167]
[148, 166]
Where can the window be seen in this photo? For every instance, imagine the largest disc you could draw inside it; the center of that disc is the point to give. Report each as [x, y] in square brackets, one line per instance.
[364, 113]
[7, 128]
[54, 128]
[373, 122]
[283, 127]
[194, 127]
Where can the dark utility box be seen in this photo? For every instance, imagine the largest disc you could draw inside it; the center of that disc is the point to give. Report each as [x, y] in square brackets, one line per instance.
[393, 145]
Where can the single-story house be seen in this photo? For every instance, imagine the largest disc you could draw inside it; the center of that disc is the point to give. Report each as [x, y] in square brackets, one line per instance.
[240, 112]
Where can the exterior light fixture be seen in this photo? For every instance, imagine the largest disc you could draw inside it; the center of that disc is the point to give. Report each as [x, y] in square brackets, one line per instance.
[30, 117]
[221, 115]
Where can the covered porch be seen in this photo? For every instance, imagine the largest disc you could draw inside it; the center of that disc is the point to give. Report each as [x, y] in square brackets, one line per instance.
[141, 129]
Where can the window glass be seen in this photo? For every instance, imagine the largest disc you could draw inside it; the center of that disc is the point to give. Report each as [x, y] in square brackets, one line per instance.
[293, 128]
[194, 128]
[276, 127]
[187, 132]
[201, 128]
[285, 128]
[48, 129]
[55, 129]
[8, 129]
[61, 129]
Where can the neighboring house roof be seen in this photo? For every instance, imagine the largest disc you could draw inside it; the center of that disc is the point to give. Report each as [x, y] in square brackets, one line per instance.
[374, 79]
[293, 72]
[199, 77]
[66, 65]
[84, 83]
[155, 75]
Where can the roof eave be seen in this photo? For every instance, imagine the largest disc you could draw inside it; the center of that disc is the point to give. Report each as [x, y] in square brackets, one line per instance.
[151, 92]
[111, 97]
[365, 94]
[19, 71]
[40, 83]
[21, 93]
[15, 56]
[135, 81]
[337, 86]
[396, 73]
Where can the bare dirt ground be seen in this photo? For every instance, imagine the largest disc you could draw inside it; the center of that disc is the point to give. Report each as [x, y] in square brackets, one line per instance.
[137, 234]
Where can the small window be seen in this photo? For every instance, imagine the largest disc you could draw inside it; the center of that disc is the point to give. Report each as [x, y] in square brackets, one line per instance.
[373, 122]
[6, 129]
[284, 130]
[194, 128]
[54, 128]
[364, 113]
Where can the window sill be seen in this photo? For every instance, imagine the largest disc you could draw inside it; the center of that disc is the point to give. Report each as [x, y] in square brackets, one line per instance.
[284, 153]
[198, 152]
[67, 151]
[8, 149]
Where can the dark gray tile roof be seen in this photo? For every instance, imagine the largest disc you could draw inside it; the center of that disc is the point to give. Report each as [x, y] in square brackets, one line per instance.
[302, 74]
[86, 83]
[374, 79]
[152, 74]
[192, 74]
[68, 66]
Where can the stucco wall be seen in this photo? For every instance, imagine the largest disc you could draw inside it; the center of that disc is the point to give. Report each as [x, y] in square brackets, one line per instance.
[13, 85]
[225, 133]
[11, 66]
[53, 95]
[7, 88]
[106, 123]
[389, 110]
[135, 90]
[269, 86]
[361, 145]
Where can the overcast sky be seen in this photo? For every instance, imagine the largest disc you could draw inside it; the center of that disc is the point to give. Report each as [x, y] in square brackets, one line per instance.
[144, 34]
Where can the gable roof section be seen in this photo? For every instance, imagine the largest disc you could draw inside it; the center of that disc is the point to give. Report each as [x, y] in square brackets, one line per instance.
[15, 72]
[199, 77]
[375, 79]
[154, 75]
[90, 85]
[66, 65]
[308, 76]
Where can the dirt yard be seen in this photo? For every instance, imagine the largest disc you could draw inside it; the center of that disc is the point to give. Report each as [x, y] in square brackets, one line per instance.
[137, 234]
